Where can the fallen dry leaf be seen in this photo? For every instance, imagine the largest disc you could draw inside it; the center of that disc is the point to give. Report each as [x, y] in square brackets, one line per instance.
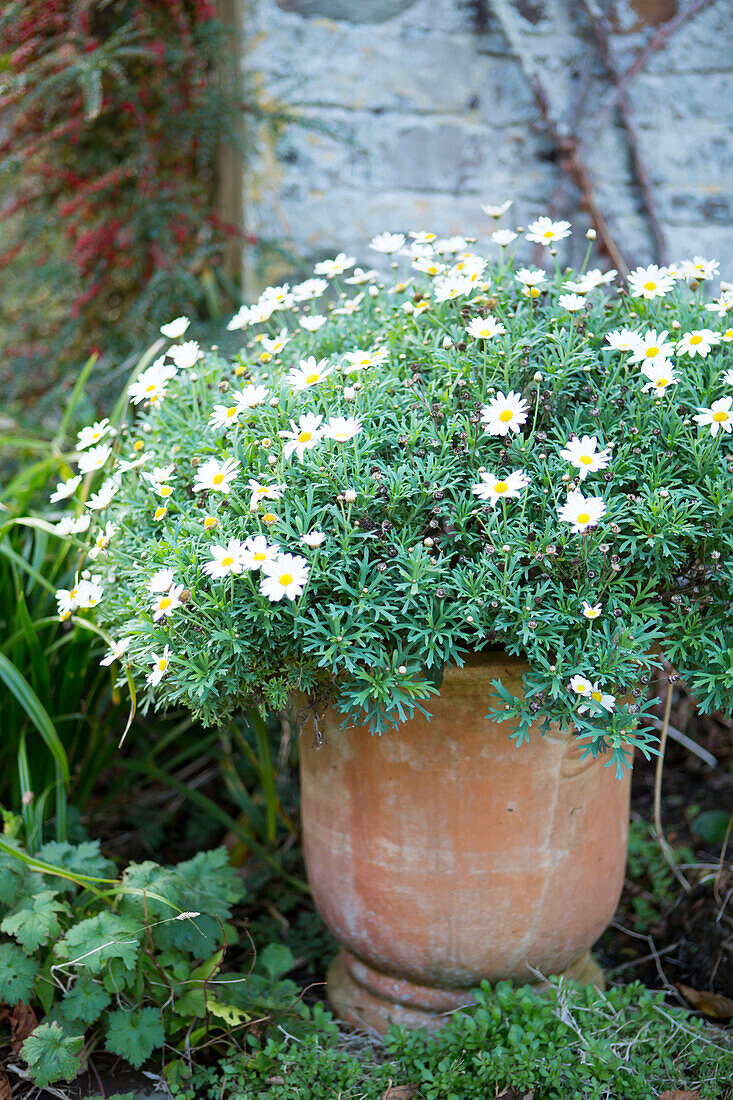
[400, 1092]
[674, 1094]
[5, 1093]
[23, 1021]
[714, 1005]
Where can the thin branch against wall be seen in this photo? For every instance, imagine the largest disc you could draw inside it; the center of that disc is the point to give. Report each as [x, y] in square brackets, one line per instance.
[601, 33]
[566, 141]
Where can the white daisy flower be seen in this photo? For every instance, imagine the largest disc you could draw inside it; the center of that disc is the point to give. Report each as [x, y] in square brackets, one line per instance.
[161, 581]
[256, 550]
[73, 525]
[485, 328]
[727, 336]
[580, 685]
[274, 345]
[275, 298]
[309, 289]
[592, 611]
[103, 539]
[165, 604]
[160, 473]
[93, 433]
[65, 489]
[608, 702]
[496, 211]
[94, 458]
[494, 487]
[225, 560]
[284, 576]
[448, 287]
[151, 384]
[259, 492]
[337, 266]
[573, 303]
[660, 376]
[175, 328]
[532, 281]
[360, 277]
[504, 414]
[387, 242]
[224, 416]
[590, 280]
[450, 244]
[582, 453]
[471, 267]
[250, 396]
[650, 282]
[313, 538]
[216, 476]
[503, 237]
[700, 341]
[117, 651]
[309, 373]
[342, 428]
[727, 378]
[241, 319]
[718, 416]
[303, 436]
[429, 265]
[185, 355]
[722, 305]
[698, 269]
[652, 347]
[103, 497]
[623, 339]
[361, 360]
[313, 323]
[89, 593]
[544, 231]
[582, 512]
[161, 665]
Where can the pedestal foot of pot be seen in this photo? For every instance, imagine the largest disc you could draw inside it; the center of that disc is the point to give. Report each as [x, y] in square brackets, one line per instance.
[369, 999]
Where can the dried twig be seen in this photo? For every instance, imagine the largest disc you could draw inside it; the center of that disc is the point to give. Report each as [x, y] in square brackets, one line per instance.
[600, 30]
[566, 142]
[661, 839]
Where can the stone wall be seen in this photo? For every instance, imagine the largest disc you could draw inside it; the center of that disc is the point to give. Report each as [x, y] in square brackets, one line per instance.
[408, 114]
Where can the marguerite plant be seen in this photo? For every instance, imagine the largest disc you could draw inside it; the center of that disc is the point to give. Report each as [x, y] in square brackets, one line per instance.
[396, 472]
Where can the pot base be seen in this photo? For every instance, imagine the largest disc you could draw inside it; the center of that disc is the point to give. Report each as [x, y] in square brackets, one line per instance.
[369, 999]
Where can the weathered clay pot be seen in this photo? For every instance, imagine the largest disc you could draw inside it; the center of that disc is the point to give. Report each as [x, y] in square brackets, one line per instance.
[441, 854]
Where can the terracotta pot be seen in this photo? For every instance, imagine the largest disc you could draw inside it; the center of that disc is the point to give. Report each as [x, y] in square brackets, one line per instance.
[441, 854]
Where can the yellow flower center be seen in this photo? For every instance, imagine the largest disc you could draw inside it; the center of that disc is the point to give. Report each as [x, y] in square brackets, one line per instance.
[721, 416]
[165, 490]
[587, 460]
[217, 479]
[311, 378]
[150, 388]
[162, 664]
[651, 351]
[101, 542]
[73, 593]
[231, 412]
[650, 285]
[532, 292]
[501, 487]
[164, 603]
[506, 416]
[580, 689]
[269, 517]
[662, 382]
[596, 695]
[286, 579]
[548, 234]
[227, 560]
[305, 437]
[696, 339]
[160, 512]
[583, 517]
[209, 522]
[728, 334]
[259, 557]
[485, 333]
[138, 445]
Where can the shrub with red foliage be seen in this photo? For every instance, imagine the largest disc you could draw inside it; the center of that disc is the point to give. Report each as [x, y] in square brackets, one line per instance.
[111, 112]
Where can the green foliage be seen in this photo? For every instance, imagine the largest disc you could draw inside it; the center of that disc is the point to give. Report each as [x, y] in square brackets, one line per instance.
[52, 1055]
[419, 564]
[626, 1044]
[131, 962]
[653, 886]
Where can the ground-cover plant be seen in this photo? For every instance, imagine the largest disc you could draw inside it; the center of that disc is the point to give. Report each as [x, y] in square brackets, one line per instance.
[625, 1044]
[131, 963]
[461, 456]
